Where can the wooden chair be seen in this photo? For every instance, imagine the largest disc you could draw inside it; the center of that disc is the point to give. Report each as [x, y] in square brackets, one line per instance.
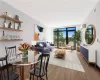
[40, 69]
[12, 55]
[5, 72]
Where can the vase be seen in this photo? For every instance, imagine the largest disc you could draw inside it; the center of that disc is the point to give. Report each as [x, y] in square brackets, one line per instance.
[25, 54]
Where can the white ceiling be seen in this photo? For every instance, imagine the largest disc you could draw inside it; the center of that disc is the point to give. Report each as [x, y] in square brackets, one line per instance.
[55, 13]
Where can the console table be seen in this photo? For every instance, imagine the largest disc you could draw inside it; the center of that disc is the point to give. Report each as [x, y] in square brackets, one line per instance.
[88, 53]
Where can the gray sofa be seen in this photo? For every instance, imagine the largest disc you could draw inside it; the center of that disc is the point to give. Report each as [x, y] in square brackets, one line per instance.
[43, 47]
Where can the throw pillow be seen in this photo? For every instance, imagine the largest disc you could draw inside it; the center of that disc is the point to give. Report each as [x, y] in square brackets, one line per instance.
[48, 44]
[41, 45]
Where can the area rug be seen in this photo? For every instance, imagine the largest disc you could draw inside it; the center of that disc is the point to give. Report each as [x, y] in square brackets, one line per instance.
[71, 60]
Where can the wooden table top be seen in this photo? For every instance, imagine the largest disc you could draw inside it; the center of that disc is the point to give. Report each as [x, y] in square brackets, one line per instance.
[25, 62]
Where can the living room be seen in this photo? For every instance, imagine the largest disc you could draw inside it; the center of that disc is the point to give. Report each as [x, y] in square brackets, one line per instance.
[56, 24]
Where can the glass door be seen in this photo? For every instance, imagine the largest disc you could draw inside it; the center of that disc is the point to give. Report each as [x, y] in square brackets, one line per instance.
[70, 36]
[62, 36]
[62, 39]
[71, 32]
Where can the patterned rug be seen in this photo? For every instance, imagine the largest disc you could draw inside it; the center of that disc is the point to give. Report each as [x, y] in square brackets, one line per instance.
[71, 61]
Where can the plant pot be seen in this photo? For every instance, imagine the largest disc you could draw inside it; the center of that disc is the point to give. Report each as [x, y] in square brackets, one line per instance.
[78, 48]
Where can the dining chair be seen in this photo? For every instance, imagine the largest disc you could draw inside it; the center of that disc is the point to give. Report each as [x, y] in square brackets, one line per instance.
[5, 72]
[40, 69]
[13, 57]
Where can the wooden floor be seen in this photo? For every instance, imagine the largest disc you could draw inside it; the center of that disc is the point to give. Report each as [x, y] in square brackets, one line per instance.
[60, 73]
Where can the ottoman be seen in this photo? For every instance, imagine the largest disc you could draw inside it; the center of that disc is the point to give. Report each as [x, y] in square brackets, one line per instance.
[60, 53]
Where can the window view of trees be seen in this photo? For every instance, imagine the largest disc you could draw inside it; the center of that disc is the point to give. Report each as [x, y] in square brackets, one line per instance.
[59, 38]
[63, 36]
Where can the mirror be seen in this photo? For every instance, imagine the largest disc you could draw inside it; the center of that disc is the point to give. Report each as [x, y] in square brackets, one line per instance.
[90, 34]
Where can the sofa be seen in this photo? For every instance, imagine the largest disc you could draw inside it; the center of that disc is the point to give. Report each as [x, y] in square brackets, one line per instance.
[43, 47]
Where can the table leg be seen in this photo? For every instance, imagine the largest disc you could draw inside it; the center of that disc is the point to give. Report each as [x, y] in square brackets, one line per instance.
[22, 73]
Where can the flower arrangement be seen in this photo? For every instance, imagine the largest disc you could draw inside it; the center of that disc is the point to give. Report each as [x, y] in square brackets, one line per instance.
[24, 48]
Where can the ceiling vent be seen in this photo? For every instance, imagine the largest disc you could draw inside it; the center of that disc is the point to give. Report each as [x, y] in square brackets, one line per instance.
[84, 26]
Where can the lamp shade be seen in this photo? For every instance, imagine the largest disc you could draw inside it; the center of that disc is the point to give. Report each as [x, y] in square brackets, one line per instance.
[33, 42]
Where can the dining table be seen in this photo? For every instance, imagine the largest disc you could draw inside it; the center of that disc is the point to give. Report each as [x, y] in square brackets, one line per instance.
[26, 61]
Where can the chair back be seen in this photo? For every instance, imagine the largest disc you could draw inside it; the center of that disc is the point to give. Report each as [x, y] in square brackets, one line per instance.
[11, 52]
[43, 65]
[4, 70]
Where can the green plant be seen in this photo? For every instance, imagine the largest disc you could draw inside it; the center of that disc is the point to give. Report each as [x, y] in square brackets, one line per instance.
[58, 35]
[77, 37]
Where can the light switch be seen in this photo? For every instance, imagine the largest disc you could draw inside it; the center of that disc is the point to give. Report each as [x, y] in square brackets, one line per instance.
[98, 40]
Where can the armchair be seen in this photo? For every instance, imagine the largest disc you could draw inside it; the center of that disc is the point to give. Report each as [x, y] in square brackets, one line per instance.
[70, 45]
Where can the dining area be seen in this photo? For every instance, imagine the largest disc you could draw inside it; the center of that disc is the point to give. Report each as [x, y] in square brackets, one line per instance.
[32, 65]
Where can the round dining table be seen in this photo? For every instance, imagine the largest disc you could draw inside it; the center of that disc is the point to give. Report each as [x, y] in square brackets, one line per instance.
[22, 64]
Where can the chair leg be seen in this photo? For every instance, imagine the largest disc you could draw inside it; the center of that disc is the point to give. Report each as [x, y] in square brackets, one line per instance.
[30, 77]
[46, 76]
[33, 77]
[37, 77]
[17, 78]
[41, 78]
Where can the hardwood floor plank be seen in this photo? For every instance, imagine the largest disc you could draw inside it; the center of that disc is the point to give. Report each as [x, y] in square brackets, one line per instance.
[61, 73]
[91, 72]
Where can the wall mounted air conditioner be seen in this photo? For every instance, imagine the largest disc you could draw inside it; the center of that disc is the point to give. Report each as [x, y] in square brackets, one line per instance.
[83, 26]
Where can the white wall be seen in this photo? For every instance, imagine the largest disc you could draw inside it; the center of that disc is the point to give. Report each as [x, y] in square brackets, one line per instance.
[27, 27]
[94, 18]
[49, 34]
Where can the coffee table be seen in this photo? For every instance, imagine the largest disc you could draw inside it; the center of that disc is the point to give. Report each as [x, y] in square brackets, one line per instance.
[60, 53]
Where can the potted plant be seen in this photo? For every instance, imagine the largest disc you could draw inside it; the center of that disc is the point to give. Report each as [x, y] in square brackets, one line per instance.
[24, 49]
[77, 39]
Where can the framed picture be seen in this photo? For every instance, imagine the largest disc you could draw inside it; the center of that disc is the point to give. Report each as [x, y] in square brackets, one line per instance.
[38, 33]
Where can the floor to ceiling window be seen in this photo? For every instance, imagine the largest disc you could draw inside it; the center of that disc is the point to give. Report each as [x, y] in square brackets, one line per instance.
[63, 36]
[60, 37]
